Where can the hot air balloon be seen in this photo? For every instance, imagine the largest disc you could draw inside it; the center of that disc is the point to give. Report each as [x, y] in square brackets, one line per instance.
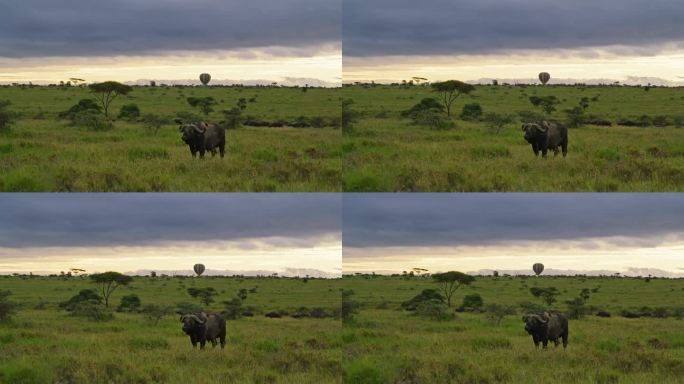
[538, 268]
[199, 268]
[204, 78]
[544, 77]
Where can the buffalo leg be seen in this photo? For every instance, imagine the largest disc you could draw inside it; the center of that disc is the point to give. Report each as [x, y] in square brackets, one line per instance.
[535, 148]
[223, 341]
[193, 152]
[545, 343]
[202, 343]
[222, 149]
[565, 340]
[565, 149]
[201, 151]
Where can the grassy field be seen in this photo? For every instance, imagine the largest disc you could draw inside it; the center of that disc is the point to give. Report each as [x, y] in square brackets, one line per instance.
[387, 152]
[385, 344]
[44, 344]
[43, 153]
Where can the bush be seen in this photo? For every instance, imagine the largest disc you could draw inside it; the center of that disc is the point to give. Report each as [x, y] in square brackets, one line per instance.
[529, 307]
[434, 310]
[129, 303]
[6, 117]
[184, 308]
[83, 105]
[183, 117]
[92, 120]
[6, 307]
[471, 303]
[233, 309]
[82, 296]
[530, 116]
[574, 117]
[233, 118]
[496, 121]
[93, 310]
[153, 123]
[433, 119]
[426, 104]
[129, 112]
[155, 312]
[349, 116]
[471, 112]
[496, 312]
[427, 295]
[349, 305]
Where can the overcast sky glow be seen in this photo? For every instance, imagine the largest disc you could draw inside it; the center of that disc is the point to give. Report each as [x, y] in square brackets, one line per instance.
[127, 40]
[48, 233]
[391, 40]
[626, 233]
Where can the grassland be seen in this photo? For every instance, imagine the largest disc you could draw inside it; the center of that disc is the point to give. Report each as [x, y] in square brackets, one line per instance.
[44, 344]
[43, 153]
[386, 152]
[385, 344]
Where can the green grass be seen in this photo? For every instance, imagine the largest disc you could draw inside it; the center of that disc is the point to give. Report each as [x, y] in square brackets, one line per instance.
[386, 152]
[43, 153]
[48, 346]
[392, 345]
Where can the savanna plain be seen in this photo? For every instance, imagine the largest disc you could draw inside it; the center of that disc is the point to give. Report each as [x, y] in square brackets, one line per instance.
[621, 138]
[141, 341]
[277, 139]
[397, 332]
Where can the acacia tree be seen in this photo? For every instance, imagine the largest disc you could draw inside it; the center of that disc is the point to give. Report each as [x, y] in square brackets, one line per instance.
[108, 91]
[451, 281]
[450, 90]
[109, 282]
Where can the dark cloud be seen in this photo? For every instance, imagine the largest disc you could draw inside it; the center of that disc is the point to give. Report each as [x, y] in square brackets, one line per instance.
[453, 27]
[63, 220]
[396, 220]
[38, 28]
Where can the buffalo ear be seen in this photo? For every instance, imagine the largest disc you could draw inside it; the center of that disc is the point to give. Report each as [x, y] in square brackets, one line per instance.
[523, 126]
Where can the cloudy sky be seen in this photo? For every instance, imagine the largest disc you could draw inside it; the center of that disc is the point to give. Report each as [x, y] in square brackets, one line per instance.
[624, 40]
[632, 234]
[291, 234]
[126, 40]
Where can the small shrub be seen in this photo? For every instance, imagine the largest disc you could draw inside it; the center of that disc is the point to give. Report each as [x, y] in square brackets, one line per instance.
[471, 112]
[349, 116]
[434, 310]
[427, 295]
[6, 117]
[153, 123]
[426, 104]
[529, 116]
[129, 303]
[349, 305]
[93, 310]
[129, 112]
[82, 296]
[156, 312]
[233, 309]
[184, 308]
[497, 121]
[7, 307]
[496, 312]
[490, 152]
[83, 105]
[471, 303]
[92, 120]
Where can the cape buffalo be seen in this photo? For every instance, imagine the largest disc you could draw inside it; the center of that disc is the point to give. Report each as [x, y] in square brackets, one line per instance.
[201, 137]
[545, 135]
[547, 326]
[202, 327]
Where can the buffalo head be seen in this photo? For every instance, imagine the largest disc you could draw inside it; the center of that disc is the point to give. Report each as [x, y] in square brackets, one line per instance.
[192, 323]
[191, 131]
[535, 323]
[534, 130]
